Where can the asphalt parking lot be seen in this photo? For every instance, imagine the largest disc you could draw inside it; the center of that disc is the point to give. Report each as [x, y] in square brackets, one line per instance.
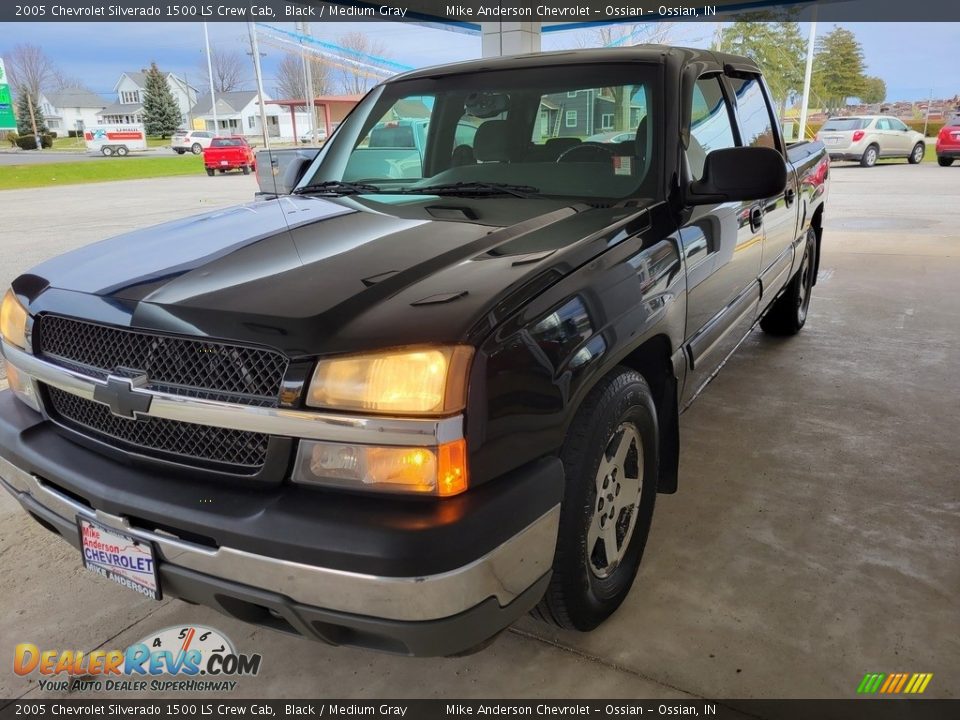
[814, 538]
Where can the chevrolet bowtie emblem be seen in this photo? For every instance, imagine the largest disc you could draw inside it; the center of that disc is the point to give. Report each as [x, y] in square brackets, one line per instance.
[122, 396]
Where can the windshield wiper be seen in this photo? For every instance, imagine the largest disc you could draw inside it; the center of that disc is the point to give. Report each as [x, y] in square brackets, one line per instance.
[474, 188]
[336, 187]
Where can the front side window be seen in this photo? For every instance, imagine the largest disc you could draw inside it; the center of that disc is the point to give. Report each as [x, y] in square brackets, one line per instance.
[710, 125]
[756, 125]
[583, 131]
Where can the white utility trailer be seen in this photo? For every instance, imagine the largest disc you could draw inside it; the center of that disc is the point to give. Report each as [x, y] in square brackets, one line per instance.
[118, 140]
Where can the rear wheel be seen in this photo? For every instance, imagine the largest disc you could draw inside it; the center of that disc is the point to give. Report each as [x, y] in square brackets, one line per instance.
[179, 151]
[610, 462]
[122, 151]
[916, 155]
[944, 161]
[869, 157]
[210, 172]
[106, 151]
[789, 313]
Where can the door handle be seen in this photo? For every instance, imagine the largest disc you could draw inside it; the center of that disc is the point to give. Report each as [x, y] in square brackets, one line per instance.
[789, 194]
[756, 218]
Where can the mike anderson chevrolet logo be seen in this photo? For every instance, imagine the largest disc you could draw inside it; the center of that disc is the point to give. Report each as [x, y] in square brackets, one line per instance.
[121, 394]
[893, 684]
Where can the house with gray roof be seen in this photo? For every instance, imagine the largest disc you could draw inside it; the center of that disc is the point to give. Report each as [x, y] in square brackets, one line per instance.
[71, 109]
[130, 90]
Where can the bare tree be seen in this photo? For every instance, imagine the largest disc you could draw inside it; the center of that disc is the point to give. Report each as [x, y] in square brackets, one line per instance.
[61, 81]
[290, 81]
[354, 79]
[229, 69]
[29, 67]
[655, 33]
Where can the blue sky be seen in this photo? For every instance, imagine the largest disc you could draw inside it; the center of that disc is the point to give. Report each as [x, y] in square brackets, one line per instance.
[912, 58]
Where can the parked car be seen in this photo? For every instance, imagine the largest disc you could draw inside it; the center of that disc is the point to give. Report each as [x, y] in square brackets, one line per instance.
[229, 153]
[415, 408]
[612, 136]
[195, 141]
[948, 141]
[119, 140]
[307, 137]
[867, 138]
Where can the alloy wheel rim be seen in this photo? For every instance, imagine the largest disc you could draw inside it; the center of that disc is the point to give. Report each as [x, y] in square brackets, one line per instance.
[803, 298]
[619, 481]
[918, 153]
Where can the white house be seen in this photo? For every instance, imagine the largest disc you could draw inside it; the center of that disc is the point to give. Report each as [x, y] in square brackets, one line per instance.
[130, 90]
[238, 113]
[71, 109]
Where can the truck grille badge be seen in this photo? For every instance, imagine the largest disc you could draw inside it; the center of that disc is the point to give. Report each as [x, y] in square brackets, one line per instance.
[123, 398]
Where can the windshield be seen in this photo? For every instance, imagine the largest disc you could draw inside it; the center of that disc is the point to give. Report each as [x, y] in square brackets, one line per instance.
[845, 124]
[582, 131]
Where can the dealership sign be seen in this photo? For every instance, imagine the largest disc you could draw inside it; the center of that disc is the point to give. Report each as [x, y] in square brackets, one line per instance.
[7, 119]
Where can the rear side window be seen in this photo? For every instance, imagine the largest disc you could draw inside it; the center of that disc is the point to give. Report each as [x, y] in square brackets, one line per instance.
[841, 124]
[710, 126]
[756, 125]
[226, 142]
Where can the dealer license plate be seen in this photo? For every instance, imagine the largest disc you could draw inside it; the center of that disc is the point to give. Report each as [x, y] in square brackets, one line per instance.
[119, 557]
[224, 162]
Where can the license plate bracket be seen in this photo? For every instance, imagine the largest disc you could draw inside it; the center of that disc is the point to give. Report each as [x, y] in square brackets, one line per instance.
[120, 557]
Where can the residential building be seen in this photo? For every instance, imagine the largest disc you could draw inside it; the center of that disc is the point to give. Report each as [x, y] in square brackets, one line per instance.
[582, 113]
[71, 109]
[130, 91]
[238, 113]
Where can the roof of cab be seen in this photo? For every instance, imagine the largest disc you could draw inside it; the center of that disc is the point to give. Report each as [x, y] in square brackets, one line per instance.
[635, 53]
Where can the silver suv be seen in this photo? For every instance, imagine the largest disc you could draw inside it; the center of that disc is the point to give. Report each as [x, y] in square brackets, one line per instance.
[867, 138]
[196, 141]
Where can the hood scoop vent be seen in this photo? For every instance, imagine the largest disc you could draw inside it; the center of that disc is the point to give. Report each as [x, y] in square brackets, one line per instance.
[440, 298]
[374, 279]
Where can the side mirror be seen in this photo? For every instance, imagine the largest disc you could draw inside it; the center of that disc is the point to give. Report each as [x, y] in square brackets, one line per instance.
[740, 173]
[279, 172]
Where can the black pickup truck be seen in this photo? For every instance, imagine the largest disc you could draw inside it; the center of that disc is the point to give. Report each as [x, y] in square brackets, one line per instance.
[400, 412]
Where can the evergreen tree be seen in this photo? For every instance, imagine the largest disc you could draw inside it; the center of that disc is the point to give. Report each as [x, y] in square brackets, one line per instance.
[838, 68]
[874, 90]
[24, 123]
[161, 114]
[777, 47]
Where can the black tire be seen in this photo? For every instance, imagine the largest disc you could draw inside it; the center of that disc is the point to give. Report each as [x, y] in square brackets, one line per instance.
[210, 172]
[582, 595]
[944, 161]
[196, 148]
[869, 157]
[179, 151]
[122, 151]
[788, 314]
[916, 155]
[106, 151]
[246, 169]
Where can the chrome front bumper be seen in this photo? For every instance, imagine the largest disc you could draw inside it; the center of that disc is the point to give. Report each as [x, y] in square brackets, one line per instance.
[503, 573]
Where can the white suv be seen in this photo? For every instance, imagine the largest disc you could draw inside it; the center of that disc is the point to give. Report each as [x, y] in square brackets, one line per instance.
[196, 141]
[867, 138]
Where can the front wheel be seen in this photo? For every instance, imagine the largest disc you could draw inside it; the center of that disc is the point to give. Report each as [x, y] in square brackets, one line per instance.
[106, 151]
[789, 313]
[944, 161]
[122, 151]
[610, 463]
[196, 148]
[246, 169]
[916, 155]
[869, 157]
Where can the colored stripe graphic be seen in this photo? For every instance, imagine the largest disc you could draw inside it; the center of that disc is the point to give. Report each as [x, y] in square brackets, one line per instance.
[894, 683]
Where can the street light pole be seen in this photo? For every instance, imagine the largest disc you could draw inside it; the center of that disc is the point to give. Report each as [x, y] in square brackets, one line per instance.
[213, 98]
[310, 106]
[255, 49]
[807, 74]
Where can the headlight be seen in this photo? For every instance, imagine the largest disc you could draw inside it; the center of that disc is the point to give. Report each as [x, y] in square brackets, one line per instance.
[430, 381]
[13, 321]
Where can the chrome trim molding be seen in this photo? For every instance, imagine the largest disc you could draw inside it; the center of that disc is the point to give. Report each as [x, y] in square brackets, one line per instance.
[504, 573]
[311, 425]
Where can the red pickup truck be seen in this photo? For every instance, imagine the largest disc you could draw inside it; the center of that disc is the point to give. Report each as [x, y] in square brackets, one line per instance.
[948, 141]
[229, 153]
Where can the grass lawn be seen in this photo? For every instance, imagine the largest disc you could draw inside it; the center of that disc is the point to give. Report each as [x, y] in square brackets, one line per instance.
[15, 177]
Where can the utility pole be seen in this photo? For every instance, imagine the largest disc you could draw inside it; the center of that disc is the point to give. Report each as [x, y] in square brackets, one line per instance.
[926, 118]
[33, 121]
[311, 108]
[213, 97]
[807, 74]
[255, 51]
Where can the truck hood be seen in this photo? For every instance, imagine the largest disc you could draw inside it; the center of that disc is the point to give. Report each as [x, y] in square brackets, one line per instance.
[310, 274]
